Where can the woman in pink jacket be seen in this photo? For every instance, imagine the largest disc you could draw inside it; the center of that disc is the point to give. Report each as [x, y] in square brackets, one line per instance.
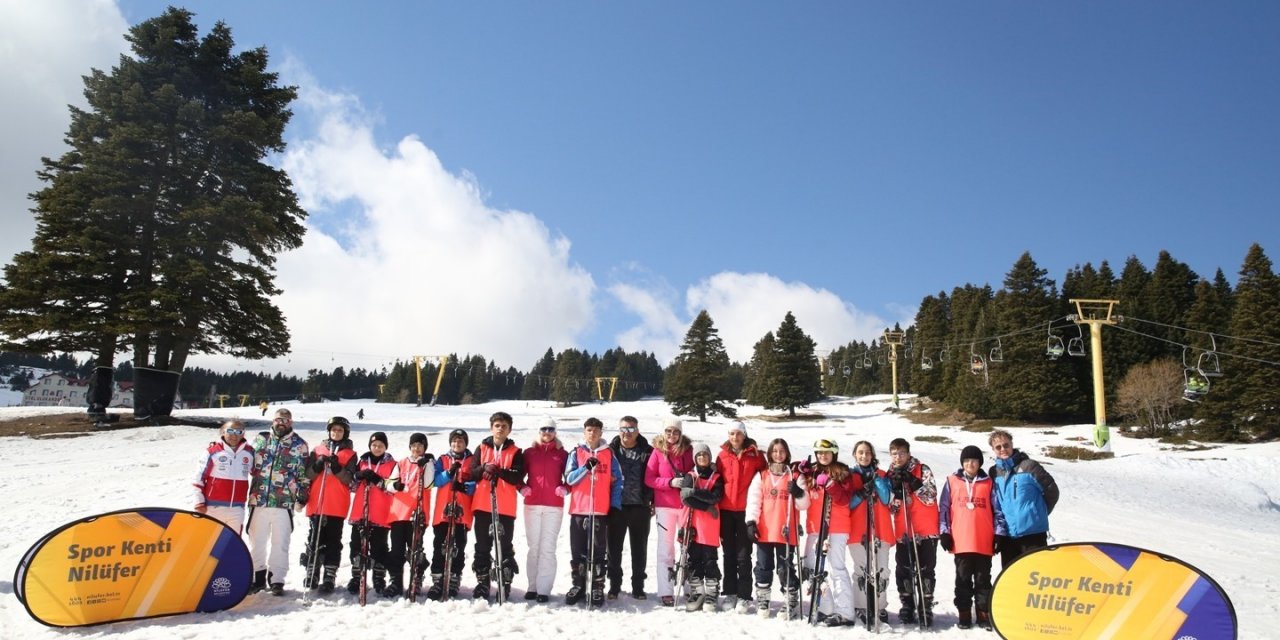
[544, 491]
[667, 473]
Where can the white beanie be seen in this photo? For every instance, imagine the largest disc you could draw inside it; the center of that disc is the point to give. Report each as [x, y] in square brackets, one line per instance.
[673, 423]
[737, 425]
[547, 421]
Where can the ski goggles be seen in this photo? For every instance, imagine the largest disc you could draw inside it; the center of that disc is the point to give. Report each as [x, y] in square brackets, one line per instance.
[547, 429]
[828, 446]
[235, 432]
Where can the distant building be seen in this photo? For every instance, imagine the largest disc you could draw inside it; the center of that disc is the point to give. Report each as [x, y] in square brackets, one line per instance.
[57, 390]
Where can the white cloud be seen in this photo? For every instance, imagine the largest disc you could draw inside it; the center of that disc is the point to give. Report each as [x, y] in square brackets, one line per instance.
[744, 306]
[45, 48]
[421, 265]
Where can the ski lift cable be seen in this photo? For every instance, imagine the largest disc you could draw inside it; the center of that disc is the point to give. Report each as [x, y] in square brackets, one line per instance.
[1187, 346]
[1038, 327]
[1211, 334]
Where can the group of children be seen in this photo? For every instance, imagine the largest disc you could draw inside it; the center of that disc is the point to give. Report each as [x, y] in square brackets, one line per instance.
[741, 498]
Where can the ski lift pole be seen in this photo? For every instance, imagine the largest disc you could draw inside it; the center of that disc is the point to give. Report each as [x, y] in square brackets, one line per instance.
[894, 339]
[1096, 313]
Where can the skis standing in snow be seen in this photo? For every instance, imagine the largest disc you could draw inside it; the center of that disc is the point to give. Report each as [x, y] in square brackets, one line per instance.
[408, 504]
[330, 468]
[500, 465]
[369, 516]
[915, 510]
[872, 528]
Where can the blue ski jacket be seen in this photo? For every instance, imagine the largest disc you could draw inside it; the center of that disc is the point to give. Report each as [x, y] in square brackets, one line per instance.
[1027, 494]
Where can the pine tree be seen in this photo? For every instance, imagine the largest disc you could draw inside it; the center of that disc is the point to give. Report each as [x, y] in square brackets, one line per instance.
[695, 384]
[930, 335]
[159, 229]
[1252, 388]
[795, 368]
[760, 375]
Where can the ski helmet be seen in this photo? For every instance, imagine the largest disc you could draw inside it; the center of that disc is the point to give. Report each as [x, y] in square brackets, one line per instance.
[459, 433]
[823, 444]
[341, 422]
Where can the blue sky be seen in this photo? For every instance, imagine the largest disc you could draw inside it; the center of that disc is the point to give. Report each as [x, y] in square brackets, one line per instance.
[630, 163]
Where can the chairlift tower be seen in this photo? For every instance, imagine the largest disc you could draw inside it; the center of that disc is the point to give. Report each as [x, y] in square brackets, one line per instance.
[894, 340]
[1096, 313]
[417, 370]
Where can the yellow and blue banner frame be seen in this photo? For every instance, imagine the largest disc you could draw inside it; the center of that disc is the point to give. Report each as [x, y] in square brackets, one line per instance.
[1102, 590]
[133, 564]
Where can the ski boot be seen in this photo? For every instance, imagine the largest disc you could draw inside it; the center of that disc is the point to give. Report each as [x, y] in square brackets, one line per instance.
[509, 571]
[437, 587]
[743, 606]
[453, 585]
[793, 602]
[762, 599]
[984, 620]
[578, 591]
[711, 595]
[330, 577]
[966, 619]
[259, 581]
[379, 578]
[277, 588]
[395, 587]
[696, 595]
[481, 592]
[615, 588]
[597, 591]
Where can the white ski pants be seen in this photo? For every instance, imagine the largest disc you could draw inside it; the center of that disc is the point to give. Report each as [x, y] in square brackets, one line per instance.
[542, 529]
[270, 526]
[231, 516]
[665, 550]
[838, 596]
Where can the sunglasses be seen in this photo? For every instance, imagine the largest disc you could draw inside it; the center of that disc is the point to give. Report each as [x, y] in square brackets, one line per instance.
[629, 429]
[547, 429]
[1002, 446]
[235, 432]
[673, 431]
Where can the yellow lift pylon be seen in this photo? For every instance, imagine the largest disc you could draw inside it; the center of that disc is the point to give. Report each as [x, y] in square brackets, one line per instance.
[1096, 313]
[613, 385]
[894, 340]
[417, 368]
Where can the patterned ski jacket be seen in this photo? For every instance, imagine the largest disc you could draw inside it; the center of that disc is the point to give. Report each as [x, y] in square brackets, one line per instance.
[279, 470]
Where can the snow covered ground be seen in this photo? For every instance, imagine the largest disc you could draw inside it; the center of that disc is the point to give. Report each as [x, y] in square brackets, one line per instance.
[1217, 509]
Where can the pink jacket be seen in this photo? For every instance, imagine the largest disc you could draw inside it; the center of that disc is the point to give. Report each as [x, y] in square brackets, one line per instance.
[544, 462]
[663, 468]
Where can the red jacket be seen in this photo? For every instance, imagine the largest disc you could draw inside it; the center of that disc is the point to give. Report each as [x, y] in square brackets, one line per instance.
[738, 469]
[224, 477]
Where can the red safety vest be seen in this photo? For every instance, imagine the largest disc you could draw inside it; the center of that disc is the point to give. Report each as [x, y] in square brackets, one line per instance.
[924, 517]
[972, 530]
[580, 498]
[883, 519]
[403, 503]
[379, 498]
[445, 493]
[506, 491]
[706, 527]
[774, 500]
[330, 496]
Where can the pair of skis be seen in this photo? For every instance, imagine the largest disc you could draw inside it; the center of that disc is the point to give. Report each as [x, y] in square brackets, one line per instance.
[820, 558]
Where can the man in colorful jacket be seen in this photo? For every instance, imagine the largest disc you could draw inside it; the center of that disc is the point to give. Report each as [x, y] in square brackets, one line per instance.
[279, 484]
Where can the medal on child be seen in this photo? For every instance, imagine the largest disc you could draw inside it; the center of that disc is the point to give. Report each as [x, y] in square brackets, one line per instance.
[969, 506]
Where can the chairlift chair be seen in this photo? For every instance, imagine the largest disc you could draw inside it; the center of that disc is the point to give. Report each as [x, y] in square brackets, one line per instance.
[857, 363]
[997, 352]
[1055, 348]
[866, 360]
[1075, 346]
[926, 363]
[977, 364]
[847, 371]
[942, 355]
[880, 359]
[1207, 364]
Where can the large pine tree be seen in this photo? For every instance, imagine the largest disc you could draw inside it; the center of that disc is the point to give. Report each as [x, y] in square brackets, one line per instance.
[159, 229]
[696, 382]
[1250, 384]
[796, 377]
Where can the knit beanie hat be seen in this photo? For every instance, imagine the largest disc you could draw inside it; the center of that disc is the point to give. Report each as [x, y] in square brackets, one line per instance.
[379, 436]
[971, 453]
[459, 433]
[699, 449]
[673, 423]
[418, 438]
[737, 425]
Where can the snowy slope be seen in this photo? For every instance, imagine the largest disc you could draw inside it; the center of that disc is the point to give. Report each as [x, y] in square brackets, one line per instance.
[1215, 509]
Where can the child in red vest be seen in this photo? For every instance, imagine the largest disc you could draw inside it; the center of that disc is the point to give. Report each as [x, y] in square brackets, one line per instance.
[915, 520]
[500, 465]
[774, 503]
[594, 479]
[330, 467]
[451, 516]
[370, 507]
[700, 492]
[409, 503]
[970, 518]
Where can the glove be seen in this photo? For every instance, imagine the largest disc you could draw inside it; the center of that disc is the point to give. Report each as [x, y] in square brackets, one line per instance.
[526, 490]
[687, 493]
[334, 465]
[370, 476]
[947, 542]
[805, 467]
[455, 468]
[868, 478]
[459, 486]
[490, 471]
[999, 543]
[398, 486]
[713, 511]
[425, 460]
[753, 531]
[562, 491]
[822, 479]
[317, 465]
[794, 489]
[591, 463]
[681, 482]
